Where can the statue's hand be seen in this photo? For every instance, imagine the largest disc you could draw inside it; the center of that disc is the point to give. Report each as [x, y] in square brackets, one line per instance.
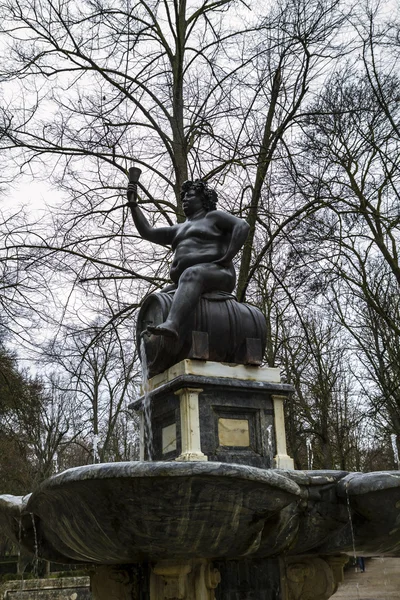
[131, 194]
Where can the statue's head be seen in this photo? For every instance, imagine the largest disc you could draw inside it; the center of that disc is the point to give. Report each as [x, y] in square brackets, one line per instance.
[209, 197]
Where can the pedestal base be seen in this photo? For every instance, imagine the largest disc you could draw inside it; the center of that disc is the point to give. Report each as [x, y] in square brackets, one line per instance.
[166, 580]
[194, 580]
[202, 410]
[292, 578]
[312, 577]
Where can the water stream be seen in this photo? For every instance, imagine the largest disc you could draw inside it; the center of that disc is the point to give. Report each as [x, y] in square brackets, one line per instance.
[35, 592]
[95, 448]
[55, 462]
[36, 548]
[393, 438]
[148, 431]
[20, 569]
[270, 444]
[352, 539]
[310, 454]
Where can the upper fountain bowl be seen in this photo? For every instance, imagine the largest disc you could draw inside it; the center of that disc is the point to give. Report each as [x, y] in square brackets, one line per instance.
[128, 512]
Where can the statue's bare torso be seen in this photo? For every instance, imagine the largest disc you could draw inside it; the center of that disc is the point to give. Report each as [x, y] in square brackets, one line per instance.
[200, 241]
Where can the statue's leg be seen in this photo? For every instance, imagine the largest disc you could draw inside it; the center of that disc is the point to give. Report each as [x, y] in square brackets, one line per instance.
[194, 282]
[169, 288]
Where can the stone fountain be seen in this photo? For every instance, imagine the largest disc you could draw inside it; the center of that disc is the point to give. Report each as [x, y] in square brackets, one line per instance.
[214, 509]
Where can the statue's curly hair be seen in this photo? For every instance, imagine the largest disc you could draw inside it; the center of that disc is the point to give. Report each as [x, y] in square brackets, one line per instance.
[209, 195]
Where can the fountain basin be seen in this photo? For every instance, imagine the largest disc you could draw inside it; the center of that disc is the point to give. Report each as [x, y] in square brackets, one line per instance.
[11, 508]
[140, 512]
[374, 499]
[132, 512]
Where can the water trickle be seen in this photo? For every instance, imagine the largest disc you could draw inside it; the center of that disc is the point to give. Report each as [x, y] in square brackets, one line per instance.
[353, 539]
[393, 438]
[148, 431]
[36, 548]
[55, 462]
[95, 448]
[351, 527]
[270, 445]
[310, 453]
[35, 591]
[20, 569]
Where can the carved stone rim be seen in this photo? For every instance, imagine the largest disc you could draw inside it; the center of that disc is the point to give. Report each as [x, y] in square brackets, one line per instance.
[141, 469]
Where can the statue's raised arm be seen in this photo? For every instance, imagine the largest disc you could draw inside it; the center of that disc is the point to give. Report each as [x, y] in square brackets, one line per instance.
[204, 246]
[158, 235]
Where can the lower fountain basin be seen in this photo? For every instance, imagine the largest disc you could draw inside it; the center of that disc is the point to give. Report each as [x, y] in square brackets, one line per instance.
[129, 512]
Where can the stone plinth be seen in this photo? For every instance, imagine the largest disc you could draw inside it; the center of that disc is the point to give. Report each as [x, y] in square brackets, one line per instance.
[295, 578]
[202, 410]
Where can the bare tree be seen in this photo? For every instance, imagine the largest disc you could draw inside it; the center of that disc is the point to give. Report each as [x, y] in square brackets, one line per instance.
[162, 84]
[302, 43]
[186, 90]
[35, 426]
[103, 375]
[344, 256]
[326, 414]
[95, 87]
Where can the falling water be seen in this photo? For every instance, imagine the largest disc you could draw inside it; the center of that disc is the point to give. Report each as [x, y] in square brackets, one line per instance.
[270, 443]
[55, 462]
[36, 548]
[353, 539]
[35, 559]
[20, 569]
[95, 451]
[351, 526]
[310, 454]
[393, 438]
[148, 431]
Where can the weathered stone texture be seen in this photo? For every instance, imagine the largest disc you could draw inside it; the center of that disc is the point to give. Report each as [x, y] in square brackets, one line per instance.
[249, 580]
[65, 588]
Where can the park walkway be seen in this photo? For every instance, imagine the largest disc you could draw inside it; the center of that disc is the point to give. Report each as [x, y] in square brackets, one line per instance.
[381, 581]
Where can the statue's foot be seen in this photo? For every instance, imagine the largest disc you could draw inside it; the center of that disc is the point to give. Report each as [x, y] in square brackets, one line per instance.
[163, 329]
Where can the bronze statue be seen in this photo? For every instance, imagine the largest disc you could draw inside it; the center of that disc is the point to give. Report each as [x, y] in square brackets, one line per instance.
[204, 246]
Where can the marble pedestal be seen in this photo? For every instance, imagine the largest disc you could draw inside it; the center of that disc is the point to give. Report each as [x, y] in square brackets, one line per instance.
[208, 411]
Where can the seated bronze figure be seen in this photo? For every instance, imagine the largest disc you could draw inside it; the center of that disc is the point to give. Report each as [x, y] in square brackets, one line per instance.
[204, 246]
